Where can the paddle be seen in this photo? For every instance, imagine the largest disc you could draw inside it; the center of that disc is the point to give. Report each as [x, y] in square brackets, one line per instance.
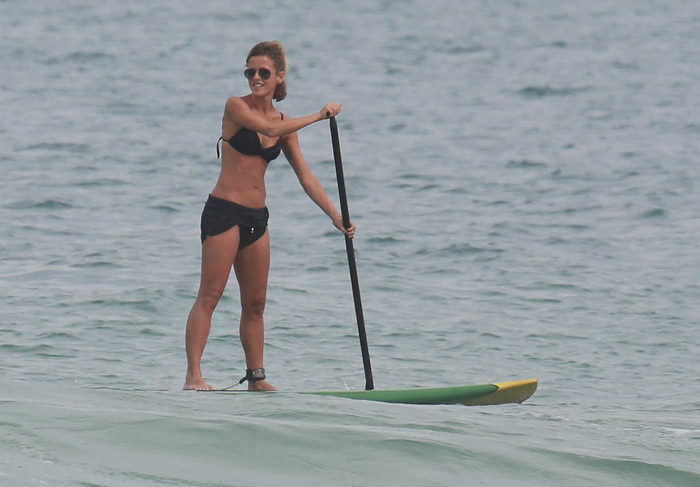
[369, 383]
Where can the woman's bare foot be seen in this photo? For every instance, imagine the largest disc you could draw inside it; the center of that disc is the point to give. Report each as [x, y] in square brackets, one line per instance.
[197, 385]
[260, 385]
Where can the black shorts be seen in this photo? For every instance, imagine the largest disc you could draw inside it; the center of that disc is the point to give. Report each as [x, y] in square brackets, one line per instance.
[220, 215]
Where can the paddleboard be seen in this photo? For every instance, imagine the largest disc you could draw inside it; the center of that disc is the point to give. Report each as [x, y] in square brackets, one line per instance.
[471, 395]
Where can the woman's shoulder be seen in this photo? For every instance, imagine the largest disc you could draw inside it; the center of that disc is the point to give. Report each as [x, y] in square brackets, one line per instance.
[234, 102]
[235, 106]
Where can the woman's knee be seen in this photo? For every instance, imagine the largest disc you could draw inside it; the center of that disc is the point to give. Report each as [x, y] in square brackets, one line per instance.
[254, 306]
[209, 297]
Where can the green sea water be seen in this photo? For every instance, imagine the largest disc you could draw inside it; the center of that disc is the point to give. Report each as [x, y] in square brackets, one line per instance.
[524, 176]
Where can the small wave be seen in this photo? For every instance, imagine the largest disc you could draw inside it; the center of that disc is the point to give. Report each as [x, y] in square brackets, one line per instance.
[626, 66]
[459, 249]
[97, 264]
[40, 350]
[81, 57]
[165, 208]
[101, 182]
[452, 47]
[536, 92]
[525, 163]
[317, 268]
[49, 204]
[57, 335]
[653, 213]
[139, 304]
[385, 240]
[643, 472]
[148, 331]
[58, 147]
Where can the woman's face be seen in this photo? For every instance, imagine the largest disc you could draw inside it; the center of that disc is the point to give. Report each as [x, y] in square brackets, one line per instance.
[258, 69]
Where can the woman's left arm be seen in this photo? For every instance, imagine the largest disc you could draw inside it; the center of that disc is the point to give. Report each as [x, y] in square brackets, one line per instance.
[312, 186]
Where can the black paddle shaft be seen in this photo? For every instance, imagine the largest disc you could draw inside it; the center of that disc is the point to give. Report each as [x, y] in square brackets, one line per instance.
[369, 383]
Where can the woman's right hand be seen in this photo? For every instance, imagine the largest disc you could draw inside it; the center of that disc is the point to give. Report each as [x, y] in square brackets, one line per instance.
[338, 223]
[330, 110]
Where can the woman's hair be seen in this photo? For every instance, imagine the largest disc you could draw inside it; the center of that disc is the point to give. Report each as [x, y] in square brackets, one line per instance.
[273, 50]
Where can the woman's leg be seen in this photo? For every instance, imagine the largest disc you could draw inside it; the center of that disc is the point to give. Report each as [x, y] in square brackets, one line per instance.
[252, 266]
[218, 255]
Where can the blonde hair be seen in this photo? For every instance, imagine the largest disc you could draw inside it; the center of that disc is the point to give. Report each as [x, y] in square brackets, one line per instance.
[275, 51]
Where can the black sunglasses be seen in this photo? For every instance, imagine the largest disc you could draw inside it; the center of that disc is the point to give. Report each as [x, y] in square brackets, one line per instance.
[263, 72]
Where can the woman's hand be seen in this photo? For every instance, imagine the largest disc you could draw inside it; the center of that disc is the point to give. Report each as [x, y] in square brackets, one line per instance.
[338, 222]
[330, 110]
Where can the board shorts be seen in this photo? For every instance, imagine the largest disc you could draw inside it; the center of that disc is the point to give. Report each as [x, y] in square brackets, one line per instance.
[220, 215]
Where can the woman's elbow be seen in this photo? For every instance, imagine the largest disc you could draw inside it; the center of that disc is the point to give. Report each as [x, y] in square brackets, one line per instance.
[310, 183]
[272, 129]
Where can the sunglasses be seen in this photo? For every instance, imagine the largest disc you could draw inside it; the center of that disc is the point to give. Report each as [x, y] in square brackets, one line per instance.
[263, 72]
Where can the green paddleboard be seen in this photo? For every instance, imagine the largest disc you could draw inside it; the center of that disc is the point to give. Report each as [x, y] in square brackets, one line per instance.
[477, 395]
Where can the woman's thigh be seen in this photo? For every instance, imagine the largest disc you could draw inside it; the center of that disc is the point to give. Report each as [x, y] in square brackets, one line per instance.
[252, 266]
[218, 254]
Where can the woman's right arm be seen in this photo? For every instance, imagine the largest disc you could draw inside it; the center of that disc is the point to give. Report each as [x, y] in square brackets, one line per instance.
[240, 114]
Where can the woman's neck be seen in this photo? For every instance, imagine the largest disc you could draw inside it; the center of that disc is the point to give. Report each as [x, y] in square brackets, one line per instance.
[262, 104]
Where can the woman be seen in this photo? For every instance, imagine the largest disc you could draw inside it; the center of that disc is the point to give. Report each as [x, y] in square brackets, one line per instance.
[234, 220]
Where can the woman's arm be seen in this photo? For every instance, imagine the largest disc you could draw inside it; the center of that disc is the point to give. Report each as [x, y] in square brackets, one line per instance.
[312, 186]
[239, 113]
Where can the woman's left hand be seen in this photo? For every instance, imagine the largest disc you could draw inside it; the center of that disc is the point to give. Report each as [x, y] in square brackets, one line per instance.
[338, 222]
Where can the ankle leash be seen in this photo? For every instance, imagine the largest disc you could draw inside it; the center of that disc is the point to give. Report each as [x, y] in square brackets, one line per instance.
[253, 375]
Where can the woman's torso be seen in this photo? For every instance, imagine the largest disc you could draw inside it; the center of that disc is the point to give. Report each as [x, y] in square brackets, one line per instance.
[242, 176]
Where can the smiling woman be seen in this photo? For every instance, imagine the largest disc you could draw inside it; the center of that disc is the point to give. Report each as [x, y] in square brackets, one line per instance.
[275, 52]
[234, 220]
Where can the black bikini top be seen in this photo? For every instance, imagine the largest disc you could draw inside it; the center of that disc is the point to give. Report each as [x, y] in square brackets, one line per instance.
[247, 142]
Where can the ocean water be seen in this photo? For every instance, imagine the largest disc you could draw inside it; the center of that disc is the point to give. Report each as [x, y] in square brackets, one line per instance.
[524, 176]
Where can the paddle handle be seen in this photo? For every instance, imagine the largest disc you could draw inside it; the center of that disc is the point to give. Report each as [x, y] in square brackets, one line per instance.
[369, 382]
